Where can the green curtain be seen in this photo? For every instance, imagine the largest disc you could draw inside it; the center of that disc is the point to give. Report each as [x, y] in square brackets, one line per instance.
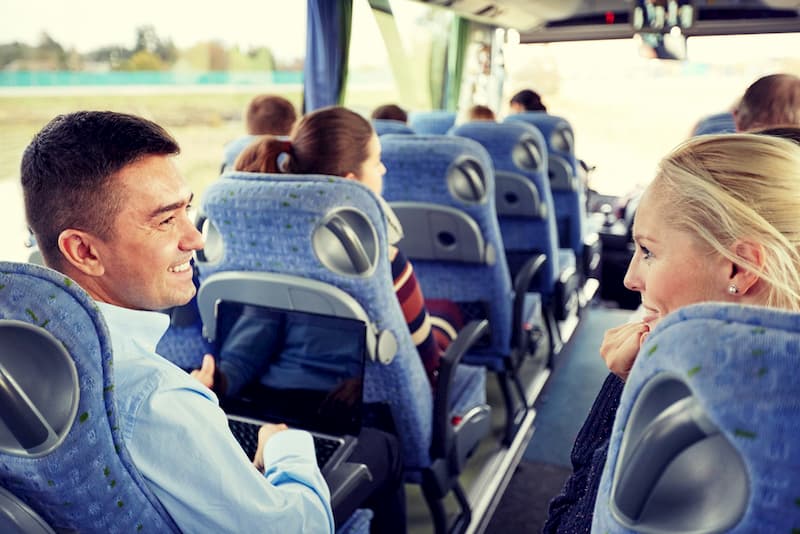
[346, 22]
[456, 53]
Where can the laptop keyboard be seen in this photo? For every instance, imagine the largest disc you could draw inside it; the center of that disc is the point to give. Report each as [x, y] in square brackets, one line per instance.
[247, 436]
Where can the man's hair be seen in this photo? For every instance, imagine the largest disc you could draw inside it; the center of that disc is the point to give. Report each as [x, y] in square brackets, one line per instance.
[270, 114]
[479, 112]
[529, 100]
[772, 100]
[391, 112]
[68, 168]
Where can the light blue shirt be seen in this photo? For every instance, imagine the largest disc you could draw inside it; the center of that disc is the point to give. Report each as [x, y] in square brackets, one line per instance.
[179, 440]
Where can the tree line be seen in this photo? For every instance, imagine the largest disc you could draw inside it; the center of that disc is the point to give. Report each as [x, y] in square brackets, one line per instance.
[149, 53]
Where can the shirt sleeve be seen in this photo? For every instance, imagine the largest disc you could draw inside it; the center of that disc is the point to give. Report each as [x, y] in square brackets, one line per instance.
[181, 444]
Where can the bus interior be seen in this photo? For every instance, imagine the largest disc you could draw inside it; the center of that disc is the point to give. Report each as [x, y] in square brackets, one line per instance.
[624, 81]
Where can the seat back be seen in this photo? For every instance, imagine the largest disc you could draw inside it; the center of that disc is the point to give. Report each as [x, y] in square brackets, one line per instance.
[518, 151]
[436, 122]
[331, 230]
[388, 126]
[61, 451]
[442, 189]
[715, 124]
[233, 149]
[705, 434]
[569, 192]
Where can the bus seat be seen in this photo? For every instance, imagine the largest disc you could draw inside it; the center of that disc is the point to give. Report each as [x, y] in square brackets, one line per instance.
[436, 122]
[715, 124]
[442, 190]
[358, 523]
[569, 191]
[388, 126]
[233, 149]
[332, 230]
[61, 452]
[705, 434]
[518, 148]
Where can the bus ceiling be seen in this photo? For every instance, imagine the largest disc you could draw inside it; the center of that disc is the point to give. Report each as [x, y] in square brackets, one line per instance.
[541, 21]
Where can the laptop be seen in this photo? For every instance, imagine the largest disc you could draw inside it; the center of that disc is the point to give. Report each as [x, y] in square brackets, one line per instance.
[308, 372]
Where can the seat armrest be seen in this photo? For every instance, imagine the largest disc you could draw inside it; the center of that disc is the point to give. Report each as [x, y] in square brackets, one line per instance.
[348, 484]
[442, 429]
[521, 284]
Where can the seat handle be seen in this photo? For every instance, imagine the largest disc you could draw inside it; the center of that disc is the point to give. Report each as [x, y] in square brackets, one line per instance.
[349, 240]
[19, 414]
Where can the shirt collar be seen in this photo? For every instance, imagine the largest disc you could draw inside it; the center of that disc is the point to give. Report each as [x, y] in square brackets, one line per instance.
[146, 327]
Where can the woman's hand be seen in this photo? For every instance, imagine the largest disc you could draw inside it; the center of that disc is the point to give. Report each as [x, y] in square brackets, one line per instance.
[621, 345]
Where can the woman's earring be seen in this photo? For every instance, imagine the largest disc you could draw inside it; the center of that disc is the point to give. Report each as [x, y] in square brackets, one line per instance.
[733, 290]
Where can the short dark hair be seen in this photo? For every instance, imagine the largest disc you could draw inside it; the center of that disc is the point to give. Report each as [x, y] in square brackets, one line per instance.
[530, 100]
[67, 168]
[772, 100]
[270, 114]
[391, 112]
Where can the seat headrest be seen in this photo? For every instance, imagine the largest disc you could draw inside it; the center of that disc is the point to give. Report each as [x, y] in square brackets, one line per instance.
[712, 410]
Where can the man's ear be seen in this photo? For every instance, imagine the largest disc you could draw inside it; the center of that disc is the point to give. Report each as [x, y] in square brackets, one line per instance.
[743, 276]
[79, 249]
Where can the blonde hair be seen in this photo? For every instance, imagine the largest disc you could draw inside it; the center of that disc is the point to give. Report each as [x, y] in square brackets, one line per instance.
[725, 188]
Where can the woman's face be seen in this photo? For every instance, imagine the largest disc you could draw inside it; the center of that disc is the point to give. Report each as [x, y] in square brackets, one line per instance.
[372, 170]
[669, 267]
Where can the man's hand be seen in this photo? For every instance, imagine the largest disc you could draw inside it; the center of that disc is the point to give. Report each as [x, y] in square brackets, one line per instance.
[621, 345]
[205, 375]
[264, 433]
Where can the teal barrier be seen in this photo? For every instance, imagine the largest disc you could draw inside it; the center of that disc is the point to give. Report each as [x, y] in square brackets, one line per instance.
[79, 78]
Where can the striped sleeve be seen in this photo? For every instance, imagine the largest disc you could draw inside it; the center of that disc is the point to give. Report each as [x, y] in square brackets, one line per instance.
[409, 295]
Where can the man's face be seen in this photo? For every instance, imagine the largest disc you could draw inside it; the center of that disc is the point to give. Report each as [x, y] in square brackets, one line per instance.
[146, 258]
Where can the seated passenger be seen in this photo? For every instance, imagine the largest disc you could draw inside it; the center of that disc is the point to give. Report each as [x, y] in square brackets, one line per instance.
[480, 113]
[526, 100]
[340, 142]
[391, 112]
[770, 101]
[718, 223]
[270, 115]
[109, 208]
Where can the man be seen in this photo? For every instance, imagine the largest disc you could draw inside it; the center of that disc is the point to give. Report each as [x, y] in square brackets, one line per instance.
[108, 208]
[391, 112]
[270, 114]
[770, 101]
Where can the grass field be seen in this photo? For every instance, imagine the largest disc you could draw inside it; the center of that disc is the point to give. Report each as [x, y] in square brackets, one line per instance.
[202, 123]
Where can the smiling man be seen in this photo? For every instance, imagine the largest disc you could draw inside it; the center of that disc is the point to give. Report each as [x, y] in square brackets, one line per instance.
[109, 210]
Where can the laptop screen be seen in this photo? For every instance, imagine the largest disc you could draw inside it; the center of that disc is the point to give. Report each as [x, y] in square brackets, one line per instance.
[299, 368]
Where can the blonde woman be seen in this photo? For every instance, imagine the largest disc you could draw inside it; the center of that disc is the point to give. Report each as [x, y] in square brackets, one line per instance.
[718, 223]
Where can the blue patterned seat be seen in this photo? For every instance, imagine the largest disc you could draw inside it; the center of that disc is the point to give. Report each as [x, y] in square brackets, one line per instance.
[442, 189]
[518, 151]
[61, 452]
[715, 124]
[233, 149]
[705, 438]
[332, 230]
[569, 191]
[436, 122]
[388, 126]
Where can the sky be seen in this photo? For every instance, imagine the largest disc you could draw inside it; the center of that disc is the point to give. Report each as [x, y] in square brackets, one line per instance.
[90, 24]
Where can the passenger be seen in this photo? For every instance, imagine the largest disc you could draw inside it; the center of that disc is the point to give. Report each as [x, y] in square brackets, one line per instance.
[109, 209]
[391, 112]
[480, 113]
[718, 223]
[526, 100]
[270, 115]
[770, 101]
[340, 142]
